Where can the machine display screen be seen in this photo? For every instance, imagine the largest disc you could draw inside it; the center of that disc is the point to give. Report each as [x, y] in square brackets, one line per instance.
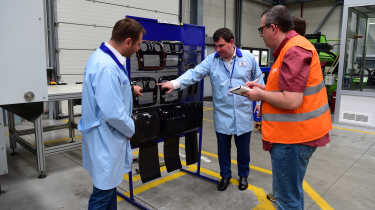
[147, 98]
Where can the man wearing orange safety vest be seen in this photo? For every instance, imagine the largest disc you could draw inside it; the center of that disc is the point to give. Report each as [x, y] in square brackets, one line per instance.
[295, 113]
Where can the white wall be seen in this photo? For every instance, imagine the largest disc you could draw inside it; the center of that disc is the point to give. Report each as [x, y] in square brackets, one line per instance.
[357, 106]
[250, 22]
[213, 15]
[213, 19]
[82, 25]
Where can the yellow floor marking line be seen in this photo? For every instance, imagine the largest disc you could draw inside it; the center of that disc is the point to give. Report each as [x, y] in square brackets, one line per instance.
[138, 177]
[259, 192]
[58, 140]
[306, 187]
[153, 184]
[156, 183]
[354, 130]
[52, 141]
[207, 108]
[266, 171]
[209, 120]
[316, 197]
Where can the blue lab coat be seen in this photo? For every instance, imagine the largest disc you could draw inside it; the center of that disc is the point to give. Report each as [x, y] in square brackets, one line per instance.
[233, 114]
[106, 122]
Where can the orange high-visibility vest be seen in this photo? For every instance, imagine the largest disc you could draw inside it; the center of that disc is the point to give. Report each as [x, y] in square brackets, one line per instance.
[312, 119]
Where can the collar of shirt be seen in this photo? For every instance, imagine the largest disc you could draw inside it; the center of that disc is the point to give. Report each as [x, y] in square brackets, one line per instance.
[119, 57]
[237, 52]
[289, 35]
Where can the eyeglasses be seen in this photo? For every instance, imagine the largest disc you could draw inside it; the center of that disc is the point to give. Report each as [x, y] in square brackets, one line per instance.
[260, 29]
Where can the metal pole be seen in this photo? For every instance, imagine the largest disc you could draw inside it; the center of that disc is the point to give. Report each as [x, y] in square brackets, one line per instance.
[41, 159]
[12, 131]
[225, 13]
[131, 185]
[363, 62]
[71, 119]
[238, 22]
[199, 151]
[180, 11]
[51, 108]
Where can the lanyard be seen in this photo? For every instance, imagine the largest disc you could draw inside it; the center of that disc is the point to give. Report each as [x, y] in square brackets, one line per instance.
[110, 53]
[231, 73]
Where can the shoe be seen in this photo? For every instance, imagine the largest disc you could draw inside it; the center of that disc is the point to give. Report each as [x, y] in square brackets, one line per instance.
[242, 183]
[271, 197]
[223, 184]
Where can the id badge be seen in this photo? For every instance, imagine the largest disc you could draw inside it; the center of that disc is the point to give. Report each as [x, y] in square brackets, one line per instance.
[229, 93]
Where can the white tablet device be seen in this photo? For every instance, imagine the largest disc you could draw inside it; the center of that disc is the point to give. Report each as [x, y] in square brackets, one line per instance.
[239, 90]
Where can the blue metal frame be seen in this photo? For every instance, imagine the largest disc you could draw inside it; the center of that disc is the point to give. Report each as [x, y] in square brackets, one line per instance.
[131, 198]
[188, 34]
[265, 70]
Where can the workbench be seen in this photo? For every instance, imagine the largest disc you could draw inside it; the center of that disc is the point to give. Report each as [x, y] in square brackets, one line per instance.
[68, 92]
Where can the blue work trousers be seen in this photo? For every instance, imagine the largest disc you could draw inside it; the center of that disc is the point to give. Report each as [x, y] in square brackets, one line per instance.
[289, 163]
[243, 154]
[103, 199]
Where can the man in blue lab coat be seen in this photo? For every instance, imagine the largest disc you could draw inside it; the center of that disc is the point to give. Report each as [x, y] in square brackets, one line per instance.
[233, 116]
[106, 122]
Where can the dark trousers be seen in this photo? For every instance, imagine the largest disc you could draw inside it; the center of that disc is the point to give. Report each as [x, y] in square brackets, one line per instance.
[243, 154]
[103, 199]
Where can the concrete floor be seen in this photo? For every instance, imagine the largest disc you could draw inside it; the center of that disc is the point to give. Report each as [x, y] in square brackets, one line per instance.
[340, 176]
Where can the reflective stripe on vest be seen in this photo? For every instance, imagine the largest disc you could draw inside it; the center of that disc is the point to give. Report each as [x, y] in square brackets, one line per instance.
[314, 89]
[311, 90]
[295, 117]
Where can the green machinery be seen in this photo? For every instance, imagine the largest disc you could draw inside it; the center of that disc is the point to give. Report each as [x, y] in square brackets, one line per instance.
[329, 63]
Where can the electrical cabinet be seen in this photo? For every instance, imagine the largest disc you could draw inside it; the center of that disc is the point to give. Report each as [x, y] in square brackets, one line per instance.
[45, 40]
[23, 52]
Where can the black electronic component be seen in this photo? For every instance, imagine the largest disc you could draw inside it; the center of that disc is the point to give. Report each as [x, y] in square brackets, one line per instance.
[174, 51]
[147, 127]
[191, 148]
[149, 165]
[173, 47]
[172, 120]
[144, 46]
[150, 91]
[193, 120]
[151, 56]
[171, 153]
[171, 97]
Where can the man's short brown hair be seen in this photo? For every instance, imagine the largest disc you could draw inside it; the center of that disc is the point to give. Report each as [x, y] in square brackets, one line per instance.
[126, 28]
[224, 33]
[299, 25]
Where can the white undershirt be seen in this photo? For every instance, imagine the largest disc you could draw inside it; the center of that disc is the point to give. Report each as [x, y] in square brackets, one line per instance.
[119, 57]
[230, 60]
